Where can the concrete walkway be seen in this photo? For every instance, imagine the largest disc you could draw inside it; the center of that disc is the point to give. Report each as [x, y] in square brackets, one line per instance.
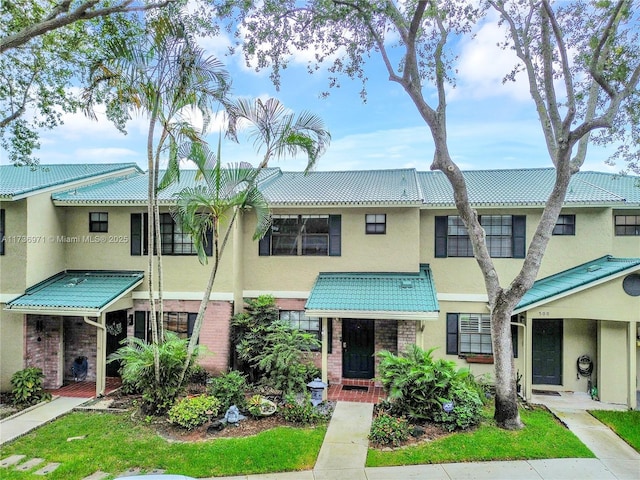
[25, 421]
[344, 451]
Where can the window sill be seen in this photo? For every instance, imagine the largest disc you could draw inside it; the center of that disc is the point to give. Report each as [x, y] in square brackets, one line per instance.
[479, 359]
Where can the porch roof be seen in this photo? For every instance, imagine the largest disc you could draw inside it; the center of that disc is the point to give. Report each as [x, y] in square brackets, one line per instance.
[375, 295]
[76, 292]
[575, 279]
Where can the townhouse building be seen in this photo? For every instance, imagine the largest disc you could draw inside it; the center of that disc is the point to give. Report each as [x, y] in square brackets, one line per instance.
[366, 260]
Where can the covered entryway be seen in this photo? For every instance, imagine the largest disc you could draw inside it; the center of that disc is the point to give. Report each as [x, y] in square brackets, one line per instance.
[69, 303]
[358, 348]
[547, 352]
[365, 312]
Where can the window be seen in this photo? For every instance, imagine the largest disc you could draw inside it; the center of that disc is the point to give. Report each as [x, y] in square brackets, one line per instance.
[627, 225]
[475, 334]
[173, 240]
[299, 235]
[98, 222]
[2, 231]
[376, 223]
[566, 225]
[470, 334]
[297, 319]
[505, 236]
[180, 323]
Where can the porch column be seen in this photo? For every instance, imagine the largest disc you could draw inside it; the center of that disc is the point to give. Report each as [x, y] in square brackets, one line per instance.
[631, 379]
[528, 360]
[325, 354]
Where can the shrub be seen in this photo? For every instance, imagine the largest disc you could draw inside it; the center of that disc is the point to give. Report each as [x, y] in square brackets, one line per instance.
[418, 386]
[195, 411]
[301, 412]
[389, 430]
[138, 371]
[197, 374]
[27, 387]
[230, 389]
[467, 408]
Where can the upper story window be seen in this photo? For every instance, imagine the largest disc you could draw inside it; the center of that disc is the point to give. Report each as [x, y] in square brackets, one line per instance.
[297, 319]
[98, 222]
[566, 225]
[173, 240]
[376, 223]
[627, 225]
[2, 231]
[505, 236]
[298, 235]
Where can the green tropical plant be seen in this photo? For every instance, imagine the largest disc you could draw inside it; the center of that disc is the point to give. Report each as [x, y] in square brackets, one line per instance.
[162, 75]
[192, 412]
[138, 359]
[230, 389]
[282, 359]
[419, 386]
[301, 411]
[28, 386]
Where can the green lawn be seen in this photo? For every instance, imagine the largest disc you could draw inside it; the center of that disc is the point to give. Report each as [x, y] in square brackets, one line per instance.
[625, 424]
[543, 437]
[114, 444]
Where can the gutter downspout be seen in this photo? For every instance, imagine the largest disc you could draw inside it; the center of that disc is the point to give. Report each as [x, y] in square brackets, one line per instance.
[526, 387]
[101, 348]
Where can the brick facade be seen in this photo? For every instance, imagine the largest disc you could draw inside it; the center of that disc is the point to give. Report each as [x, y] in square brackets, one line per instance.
[214, 335]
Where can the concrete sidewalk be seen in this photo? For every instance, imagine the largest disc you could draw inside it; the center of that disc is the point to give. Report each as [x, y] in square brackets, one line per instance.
[23, 422]
[344, 451]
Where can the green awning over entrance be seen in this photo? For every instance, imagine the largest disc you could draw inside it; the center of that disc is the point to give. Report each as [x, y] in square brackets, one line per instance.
[575, 279]
[77, 292]
[375, 295]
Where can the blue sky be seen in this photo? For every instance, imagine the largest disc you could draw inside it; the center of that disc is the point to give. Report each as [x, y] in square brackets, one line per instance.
[491, 125]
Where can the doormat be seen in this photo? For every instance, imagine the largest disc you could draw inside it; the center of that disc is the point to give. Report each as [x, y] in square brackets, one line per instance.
[358, 388]
[551, 393]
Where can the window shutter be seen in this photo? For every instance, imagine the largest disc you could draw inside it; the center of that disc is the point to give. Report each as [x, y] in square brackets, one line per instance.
[452, 333]
[330, 335]
[335, 227]
[514, 340]
[140, 325]
[264, 245]
[191, 321]
[441, 237]
[208, 247]
[2, 235]
[136, 234]
[519, 239]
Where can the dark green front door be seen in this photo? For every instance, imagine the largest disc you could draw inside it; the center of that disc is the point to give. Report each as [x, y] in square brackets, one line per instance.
[547, 352]
[116, 332]
[357, 348]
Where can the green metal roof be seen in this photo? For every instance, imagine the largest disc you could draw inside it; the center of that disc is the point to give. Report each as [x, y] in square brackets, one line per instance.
[19, 181]
[132, 189]
[376, 295]
[531, 187]
[343, 187]
[397, 187]
[576, 278]
[80, 292]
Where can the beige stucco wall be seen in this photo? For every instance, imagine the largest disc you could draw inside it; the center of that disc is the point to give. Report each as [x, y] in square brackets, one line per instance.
[396, 251]
[13, 264]
[12, 351]
[182, 273]
[612, 362]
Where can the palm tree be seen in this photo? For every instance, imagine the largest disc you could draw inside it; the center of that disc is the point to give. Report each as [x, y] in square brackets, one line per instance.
[228, 191]
[162, 76]
[271, 125]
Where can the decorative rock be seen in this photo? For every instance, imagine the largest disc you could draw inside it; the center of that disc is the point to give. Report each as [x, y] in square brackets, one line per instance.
[215, 426]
